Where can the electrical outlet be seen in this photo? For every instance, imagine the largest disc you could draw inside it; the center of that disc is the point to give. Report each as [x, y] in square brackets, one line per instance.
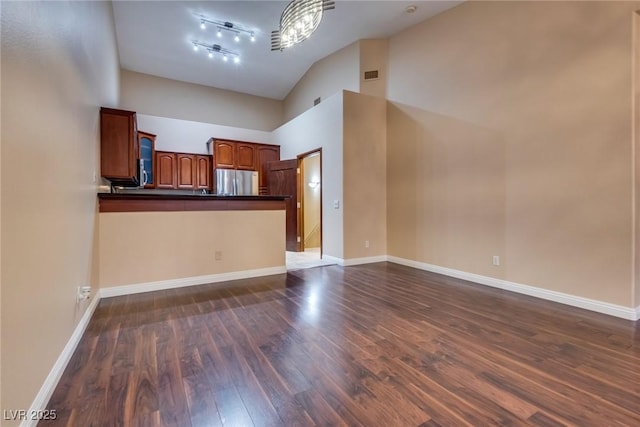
[496, 260]
[366, 243]
[218, 255]
[83, 293]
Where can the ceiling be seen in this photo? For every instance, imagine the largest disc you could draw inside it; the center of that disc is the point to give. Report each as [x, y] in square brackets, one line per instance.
[155, 37]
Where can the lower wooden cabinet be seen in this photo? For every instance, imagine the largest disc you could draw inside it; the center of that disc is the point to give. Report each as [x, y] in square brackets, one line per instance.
[183, 171]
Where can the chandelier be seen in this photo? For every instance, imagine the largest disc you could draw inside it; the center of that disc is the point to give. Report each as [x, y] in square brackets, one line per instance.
[298, 21]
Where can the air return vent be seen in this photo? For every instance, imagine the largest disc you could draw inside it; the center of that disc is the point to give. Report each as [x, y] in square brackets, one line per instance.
[371, 75]
[316, 101]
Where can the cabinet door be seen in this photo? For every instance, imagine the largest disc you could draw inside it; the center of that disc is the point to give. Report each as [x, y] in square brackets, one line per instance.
[265, 154]
[146, 141]
[224, 154]
[203, 178]
[186, 171]
[246, 156]
[165, 176]
[119, 151]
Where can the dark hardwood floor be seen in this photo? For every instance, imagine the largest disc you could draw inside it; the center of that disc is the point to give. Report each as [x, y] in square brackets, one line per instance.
[374, 345]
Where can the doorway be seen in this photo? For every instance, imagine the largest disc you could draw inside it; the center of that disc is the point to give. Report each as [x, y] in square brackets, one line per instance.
[310, 196]
[309, 215]
[301, 180]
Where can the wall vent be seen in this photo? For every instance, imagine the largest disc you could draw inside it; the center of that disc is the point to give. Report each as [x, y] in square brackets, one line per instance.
[316, 101]
[371, 75]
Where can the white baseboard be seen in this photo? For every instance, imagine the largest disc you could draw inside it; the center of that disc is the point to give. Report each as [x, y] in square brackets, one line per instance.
[572, 300]
[354, 261]
[365, 260]
[330, 258]
[188, 281]
[42, 398]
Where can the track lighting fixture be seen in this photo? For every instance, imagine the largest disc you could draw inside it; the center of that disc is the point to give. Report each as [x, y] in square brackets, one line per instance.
[214, 49]
[227, 26]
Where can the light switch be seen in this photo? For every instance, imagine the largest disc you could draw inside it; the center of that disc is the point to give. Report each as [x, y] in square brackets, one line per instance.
[336, 204]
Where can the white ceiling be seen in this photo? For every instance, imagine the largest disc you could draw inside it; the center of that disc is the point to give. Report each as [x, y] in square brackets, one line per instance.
[154, 37]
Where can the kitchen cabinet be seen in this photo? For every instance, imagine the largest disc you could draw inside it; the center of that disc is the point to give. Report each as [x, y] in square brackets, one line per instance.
[224, 154]
[203, 173]
[183, 171]
[166, 170]
[264, 154]
[119, 149]
[186, 165]
[146, 142]
[246, 156]
[234, 155]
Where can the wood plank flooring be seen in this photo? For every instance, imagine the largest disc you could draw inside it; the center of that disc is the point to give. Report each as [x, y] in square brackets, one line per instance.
[374, 345]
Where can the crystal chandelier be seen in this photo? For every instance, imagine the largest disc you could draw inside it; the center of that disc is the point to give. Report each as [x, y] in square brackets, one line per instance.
[298, 21]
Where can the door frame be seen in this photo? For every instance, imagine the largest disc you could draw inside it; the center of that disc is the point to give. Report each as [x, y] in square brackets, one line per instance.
[300, 186]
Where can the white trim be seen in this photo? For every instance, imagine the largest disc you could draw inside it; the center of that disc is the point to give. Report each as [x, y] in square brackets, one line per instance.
[365, 260]
[330, 258]
[575, 301]
[189, 281]
[50, 383]
[355, 261]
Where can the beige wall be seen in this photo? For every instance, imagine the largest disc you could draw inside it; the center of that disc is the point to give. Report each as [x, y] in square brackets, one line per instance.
[311, 173]
[446, 191]
[1, 406]
[183, 244]
[158, 96]
[546, 88]
[321, 127]
[59, 65]
[365, 185]
[374, 55]
[325, 78]
[636, 136]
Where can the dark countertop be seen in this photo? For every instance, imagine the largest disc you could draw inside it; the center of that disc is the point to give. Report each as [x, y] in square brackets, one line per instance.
[155, 202]
[164, 196]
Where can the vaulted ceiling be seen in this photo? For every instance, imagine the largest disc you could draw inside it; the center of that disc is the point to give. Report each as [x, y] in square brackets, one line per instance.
[155, 37]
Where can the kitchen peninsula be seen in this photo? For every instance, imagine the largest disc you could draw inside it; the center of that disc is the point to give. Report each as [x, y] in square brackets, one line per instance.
[163, 229]
[160, 241]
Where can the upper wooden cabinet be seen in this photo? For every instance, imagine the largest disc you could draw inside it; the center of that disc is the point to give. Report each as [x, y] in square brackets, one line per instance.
[186, 171]
[234, 155]
[119, 149]
[203, 173]
[147, 142]
[183, 171]
[265, 154]
[166, 173]
[246, 156]
[224, 154]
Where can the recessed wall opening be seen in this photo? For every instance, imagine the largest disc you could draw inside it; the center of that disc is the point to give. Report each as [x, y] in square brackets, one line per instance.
[308, 248]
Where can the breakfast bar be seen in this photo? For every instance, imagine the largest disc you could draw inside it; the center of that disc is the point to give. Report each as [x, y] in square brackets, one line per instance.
[153, 241]
[153, 202]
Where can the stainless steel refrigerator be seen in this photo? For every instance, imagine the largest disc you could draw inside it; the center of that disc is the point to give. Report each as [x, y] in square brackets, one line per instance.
[231, 182]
